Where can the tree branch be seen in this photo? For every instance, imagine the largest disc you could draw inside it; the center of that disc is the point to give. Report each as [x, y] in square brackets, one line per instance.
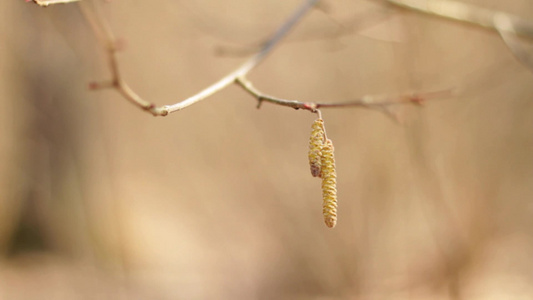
[378, 102]
[508, 26]
[106, 37]
[466, 13]
[102, 30]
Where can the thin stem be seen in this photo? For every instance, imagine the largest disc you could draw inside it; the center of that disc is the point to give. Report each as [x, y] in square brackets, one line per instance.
[106, 37]
[379, 102]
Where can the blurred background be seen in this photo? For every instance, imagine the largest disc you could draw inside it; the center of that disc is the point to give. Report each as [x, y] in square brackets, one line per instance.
[100, 200]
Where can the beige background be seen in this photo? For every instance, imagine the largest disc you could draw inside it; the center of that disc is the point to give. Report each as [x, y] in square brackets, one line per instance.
[99, 200]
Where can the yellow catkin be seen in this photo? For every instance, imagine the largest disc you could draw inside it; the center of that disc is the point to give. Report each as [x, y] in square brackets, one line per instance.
[316, 141]
[329, 185]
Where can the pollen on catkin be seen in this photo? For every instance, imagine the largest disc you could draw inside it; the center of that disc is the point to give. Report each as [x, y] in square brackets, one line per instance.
[316, 141]
[329, 185]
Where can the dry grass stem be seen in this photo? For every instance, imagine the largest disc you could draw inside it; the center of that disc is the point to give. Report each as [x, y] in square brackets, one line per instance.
[467, 13]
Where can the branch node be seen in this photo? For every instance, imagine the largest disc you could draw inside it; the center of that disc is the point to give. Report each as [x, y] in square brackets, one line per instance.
[367, 99]
[163, 111]
[313, 107]
[149, 107]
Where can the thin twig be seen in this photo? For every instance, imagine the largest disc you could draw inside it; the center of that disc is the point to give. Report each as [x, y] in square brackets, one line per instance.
[101, 29]
[106, 37]
[378, 102]
[466, 13]
[251, 63]
[238, 76]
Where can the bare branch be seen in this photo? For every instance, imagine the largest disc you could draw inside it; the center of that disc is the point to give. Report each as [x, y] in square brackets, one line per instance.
[466, 13]
[106, 37]
[251, 63]
[508, 26]
[377, 102]
[101, 29]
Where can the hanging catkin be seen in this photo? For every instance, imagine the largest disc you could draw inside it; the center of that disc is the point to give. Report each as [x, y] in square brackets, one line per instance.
[329, 182]
[316, 142]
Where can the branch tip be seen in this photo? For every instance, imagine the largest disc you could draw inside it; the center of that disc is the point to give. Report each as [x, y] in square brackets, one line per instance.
[149, 107]
[311, 106]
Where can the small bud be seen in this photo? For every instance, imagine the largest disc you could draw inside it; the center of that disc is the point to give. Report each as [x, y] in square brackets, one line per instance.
[316, 141]
[329, 185]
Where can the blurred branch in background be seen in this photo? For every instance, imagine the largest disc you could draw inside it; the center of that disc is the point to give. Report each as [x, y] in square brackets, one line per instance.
[378, 102]
[507, 25]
